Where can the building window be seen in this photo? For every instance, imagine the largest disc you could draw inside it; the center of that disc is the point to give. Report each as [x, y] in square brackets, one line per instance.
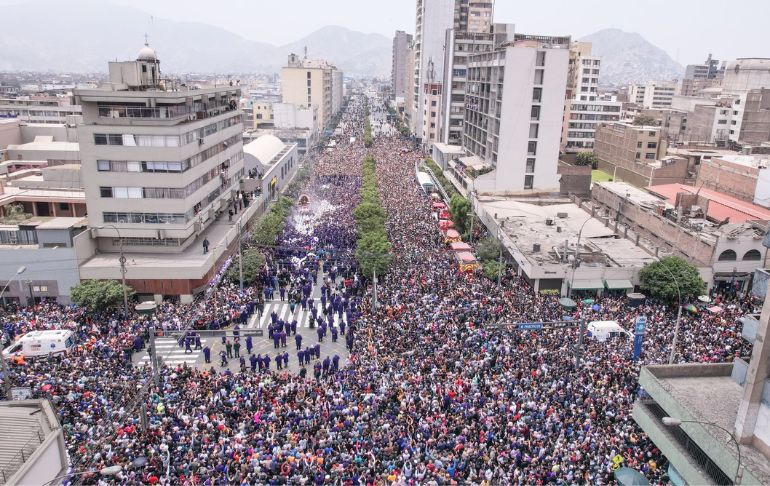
[540, 59]
[530, 165]
[638, 155]
[308, 75]
[539, 76]
[535, 114]
[537, 95]
[529, 181]
[532, 148]
[533, 129]
[64, 206]
[752, 255]
[105, 191]
[649, 156]
[308, 91]
[638, 144]
[652, 145]
[433, 103]
[728, 256]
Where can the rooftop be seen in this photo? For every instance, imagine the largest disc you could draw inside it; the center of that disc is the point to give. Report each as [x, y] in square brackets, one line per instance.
[720, 207]
[527, 225]
[755, 161]
[265, 148]
[46, 142]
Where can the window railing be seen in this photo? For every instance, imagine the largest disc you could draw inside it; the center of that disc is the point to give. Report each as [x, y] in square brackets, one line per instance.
[121, 111]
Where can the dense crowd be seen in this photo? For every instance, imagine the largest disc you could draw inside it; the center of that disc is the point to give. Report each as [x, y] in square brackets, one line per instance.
[430, 394]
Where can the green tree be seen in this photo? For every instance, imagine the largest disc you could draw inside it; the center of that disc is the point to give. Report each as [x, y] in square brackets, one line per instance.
[99, 295]
[491, 269]
[656, 279]
[253, 262]
[488, 249]
[587, 158]
[373, 253]
[643, 120]
[460, 209]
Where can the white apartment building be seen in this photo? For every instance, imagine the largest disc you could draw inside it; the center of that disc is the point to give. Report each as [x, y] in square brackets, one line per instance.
[461, 45]
[584, 108]
[159, 163]
[431, 110]
[514, 109]
[652, 94]
[399, 77]
[313, 82]
[39, 109]
[434, 17]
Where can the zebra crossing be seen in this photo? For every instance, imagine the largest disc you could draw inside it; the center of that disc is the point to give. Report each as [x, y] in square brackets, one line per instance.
[283, 311]
[173, 354]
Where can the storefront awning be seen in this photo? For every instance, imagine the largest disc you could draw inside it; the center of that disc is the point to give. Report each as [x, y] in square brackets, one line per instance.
[588, 284]
[727, 276]
[618, 284]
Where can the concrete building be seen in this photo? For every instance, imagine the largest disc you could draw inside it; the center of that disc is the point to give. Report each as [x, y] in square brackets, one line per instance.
[698, 77]
[755, 125]
[46, 149]
[272, 162]
[652, 94]
[407, 112]
[718, 234]
[637, 154]
[313, 82]
[711, 420]
[44, 191]
[399, 76]
[39, 109]
[433, 19]
[262, 114]
[160, 165]
[50, 249]
[514, 100]
[585, 108]
[431, 111]
[544, 239]
[460, 45]
[10, 134]
[32, 445]
[745, 74]
[745, 177]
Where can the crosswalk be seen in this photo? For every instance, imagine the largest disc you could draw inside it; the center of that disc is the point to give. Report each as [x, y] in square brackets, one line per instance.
[173, 354]
[283, 311]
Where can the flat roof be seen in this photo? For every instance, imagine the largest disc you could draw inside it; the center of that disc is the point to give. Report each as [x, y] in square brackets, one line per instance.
[449, 148]
[47, 145]
[745, 160]
[720, 207]
[63, 222]
[526, 225]
[633, 193]
[713, 398]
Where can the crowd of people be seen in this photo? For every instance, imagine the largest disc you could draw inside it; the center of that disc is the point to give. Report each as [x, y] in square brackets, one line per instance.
[429, 395]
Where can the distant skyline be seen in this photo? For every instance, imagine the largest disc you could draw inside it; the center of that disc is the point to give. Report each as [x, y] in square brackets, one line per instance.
[688, 30]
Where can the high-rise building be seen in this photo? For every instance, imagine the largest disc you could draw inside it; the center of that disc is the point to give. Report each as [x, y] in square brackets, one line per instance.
[158, 162]
[698, 77]
[313, 82]
[514, 106]
[473, 16]
[399, 76]
[434, 17]
[652, 94]
[584, 108]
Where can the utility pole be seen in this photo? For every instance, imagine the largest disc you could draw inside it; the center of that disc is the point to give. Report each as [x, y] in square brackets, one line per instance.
[500, 261]
[240, 255]
[154, 356]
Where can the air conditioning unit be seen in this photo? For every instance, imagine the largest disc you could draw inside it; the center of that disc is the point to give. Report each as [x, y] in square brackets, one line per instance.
[562, 215]
[536, 247]
[549, 222]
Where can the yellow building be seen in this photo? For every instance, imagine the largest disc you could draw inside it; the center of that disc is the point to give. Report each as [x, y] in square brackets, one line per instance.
[262, 114]
[312, 82]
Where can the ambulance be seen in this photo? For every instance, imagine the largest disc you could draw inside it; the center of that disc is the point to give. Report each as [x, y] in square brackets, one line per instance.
[603, 330]
[41, 343]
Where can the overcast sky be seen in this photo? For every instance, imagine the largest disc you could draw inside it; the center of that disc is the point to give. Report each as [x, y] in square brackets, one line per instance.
[687, 29]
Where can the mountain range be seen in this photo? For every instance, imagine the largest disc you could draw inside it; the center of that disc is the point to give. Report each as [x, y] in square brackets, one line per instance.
[627, 57]
[82, 35]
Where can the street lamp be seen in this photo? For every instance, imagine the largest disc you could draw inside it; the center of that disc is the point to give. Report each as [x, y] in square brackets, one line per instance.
[577, 253]
[675, 422]
[678, 315]
[105, 471]
[19, 271]
[122, 268]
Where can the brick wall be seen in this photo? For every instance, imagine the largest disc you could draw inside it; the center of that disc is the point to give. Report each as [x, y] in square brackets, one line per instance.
[732, 179]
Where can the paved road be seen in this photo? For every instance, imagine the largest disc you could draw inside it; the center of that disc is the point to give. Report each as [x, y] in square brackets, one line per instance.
[174, 355]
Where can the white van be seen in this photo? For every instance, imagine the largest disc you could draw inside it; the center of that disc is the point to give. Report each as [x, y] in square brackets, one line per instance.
[41, 343]
[603, 330]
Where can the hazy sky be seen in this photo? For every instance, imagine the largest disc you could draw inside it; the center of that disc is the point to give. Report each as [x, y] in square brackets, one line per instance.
[687, 29]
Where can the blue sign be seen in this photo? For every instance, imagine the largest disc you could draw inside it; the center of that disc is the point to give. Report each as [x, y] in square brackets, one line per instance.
[639, 327]
[529, 326]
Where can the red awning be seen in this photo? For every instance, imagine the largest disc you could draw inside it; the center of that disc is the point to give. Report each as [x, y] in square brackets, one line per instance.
[466, 257]
[439, 205]
[460, 246]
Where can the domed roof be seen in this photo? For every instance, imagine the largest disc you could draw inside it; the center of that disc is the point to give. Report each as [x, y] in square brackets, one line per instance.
[264, 148]
[147, 53]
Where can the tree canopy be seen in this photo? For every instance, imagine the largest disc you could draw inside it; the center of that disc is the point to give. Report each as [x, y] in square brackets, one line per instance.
[99, 295]
[253, 262]
[587, 158]
[660, 279]
[460, 209]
